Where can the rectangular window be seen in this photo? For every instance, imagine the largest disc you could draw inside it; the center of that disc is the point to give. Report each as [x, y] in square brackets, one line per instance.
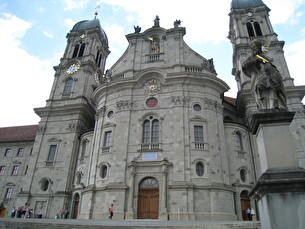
[15, 170]
[9, 192]
[198, 133]
[107, 138]
[20, 152]
[2, 170]
[7, 152]
[52, 152]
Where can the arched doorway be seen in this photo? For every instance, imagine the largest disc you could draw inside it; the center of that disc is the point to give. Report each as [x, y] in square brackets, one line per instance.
[148, 199]
[2, 212]
[75, 206]
[245, 203]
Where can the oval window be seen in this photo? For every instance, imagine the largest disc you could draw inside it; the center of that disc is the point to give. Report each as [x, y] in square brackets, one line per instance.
[110, 114]
[242, 175]
[197, 107]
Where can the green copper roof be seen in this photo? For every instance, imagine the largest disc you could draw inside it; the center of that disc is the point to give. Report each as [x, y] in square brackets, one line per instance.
[239, 4]
[84, 25]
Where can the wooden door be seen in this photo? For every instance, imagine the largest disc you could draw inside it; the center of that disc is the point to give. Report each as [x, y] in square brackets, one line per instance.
[75, 206]
[245, 204]
[3, 212]
[148, 203]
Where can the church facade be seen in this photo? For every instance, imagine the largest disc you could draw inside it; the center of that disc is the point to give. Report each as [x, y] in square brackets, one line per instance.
[153, 135]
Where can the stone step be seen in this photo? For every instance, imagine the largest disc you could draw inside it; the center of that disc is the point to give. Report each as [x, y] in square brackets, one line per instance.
[9, 223]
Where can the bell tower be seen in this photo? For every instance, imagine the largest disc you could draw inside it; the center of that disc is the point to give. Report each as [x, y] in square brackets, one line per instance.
[69, 112]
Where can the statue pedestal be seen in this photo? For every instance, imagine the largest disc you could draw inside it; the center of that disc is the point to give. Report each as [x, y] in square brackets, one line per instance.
[274, 141]
[279, 191]
[280, 197]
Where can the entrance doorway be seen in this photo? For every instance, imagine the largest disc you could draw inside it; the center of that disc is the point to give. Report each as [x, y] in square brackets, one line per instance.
[245, 204]
[75, 206]
[148, 199]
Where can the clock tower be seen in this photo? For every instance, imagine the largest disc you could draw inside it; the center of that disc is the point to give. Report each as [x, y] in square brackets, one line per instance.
[69, 111]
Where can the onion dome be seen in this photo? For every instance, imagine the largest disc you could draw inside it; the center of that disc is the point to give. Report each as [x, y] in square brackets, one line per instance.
[85, 25]
[240, 4]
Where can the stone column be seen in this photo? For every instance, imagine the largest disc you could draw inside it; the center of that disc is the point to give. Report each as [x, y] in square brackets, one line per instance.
[163, 209]
[130, 210]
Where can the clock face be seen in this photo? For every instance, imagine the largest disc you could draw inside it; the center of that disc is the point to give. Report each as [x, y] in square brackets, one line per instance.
[249, 14]
[73, 68]
[151, 102]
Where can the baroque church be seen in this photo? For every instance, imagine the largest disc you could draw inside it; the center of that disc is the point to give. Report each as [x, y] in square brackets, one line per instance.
[154, 134]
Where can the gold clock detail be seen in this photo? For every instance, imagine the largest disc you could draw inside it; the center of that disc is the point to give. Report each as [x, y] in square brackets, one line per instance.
[73, 68]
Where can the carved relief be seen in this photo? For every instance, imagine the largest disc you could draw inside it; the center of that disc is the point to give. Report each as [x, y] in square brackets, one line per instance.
[152, 87]
[180, 100]
[124, 104]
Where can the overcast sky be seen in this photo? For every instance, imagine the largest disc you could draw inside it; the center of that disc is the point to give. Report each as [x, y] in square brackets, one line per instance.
[33, 39]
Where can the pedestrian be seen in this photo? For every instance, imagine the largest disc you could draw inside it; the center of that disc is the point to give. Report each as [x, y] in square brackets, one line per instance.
[13, 212]
[253, 214]
[66, 213]
[249, 213]
[111, 211]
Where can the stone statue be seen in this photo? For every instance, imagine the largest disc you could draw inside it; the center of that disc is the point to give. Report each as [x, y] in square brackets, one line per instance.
[266, 81]
[156, 21]
[177, 23]
[137, 29]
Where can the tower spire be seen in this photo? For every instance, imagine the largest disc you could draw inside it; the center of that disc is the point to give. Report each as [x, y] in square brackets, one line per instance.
[97, 7]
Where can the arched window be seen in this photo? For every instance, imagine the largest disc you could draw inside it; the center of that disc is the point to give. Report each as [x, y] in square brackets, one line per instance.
[149, 182]
[239, 142]
[79, 178]
[76, 48]
[79, 50]
[243, 175]
[155, 131]
[104, 170]
[82, 49]
[45, 184]
[150, 131]
[68, 87]
[199, 169]
[250, 29]
[97, 56]
[83, 152]
[257, 28]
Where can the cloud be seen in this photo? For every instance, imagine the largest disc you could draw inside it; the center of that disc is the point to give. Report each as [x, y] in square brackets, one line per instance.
[70, 23]
[295, 59]
[23, 76]
[72, 4]
[283, 11]
[213, 17]
[47, 34]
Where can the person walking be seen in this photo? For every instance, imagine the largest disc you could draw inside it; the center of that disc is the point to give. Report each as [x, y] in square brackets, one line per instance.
[253, 214]
[249, 213]
[111, 209]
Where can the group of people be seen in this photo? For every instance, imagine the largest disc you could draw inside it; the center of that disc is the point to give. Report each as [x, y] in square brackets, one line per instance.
[24, 211]
[251, 214]
[62, 214]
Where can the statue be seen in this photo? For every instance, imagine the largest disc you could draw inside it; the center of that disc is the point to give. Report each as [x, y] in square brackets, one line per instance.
[177, 23]
[266, 81]
[156, 21]
[137, 29]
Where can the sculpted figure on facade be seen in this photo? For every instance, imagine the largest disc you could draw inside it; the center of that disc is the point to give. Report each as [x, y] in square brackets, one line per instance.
[266, 81]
